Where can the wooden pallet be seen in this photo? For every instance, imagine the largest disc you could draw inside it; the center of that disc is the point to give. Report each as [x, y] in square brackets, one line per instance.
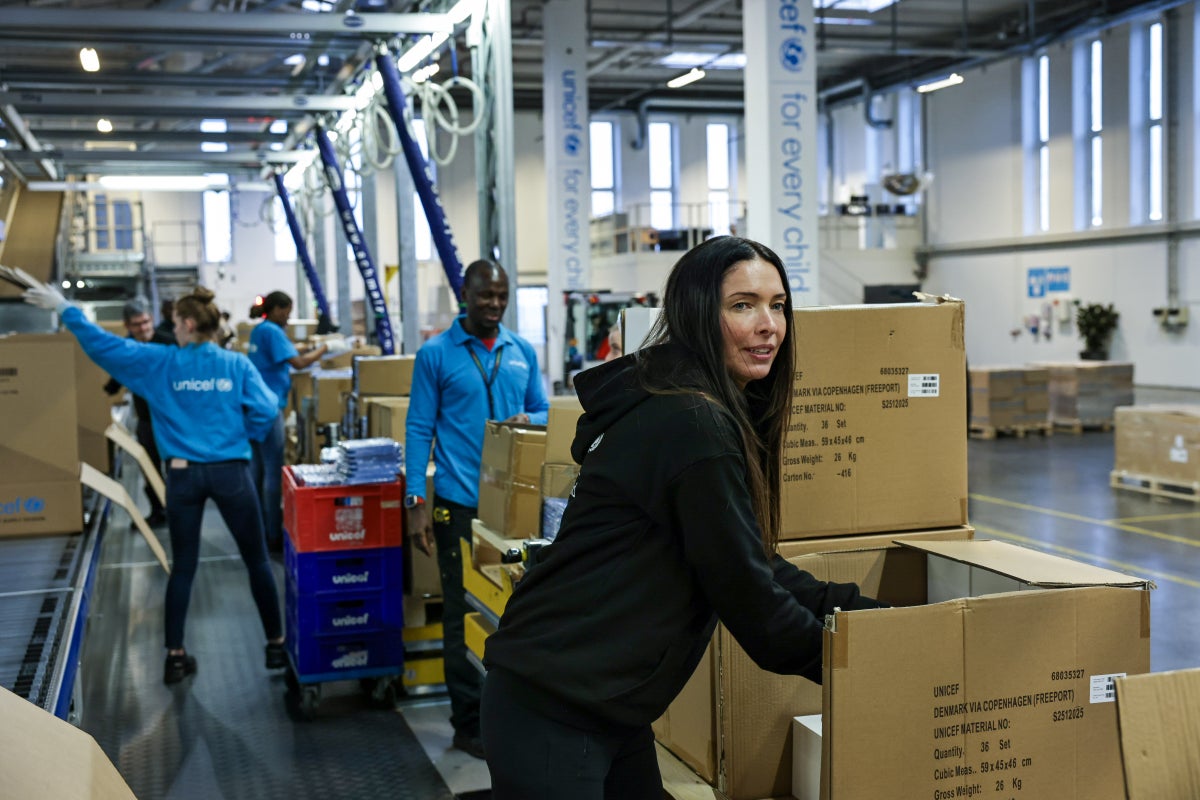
[1019, 431]
[1078, 426]
[1147, 484]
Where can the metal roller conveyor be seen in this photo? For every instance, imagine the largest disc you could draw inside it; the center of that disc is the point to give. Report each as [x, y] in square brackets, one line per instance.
[44, 587]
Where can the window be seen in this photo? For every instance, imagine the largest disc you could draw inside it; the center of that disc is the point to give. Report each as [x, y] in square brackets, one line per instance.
[1155, 112]
[718, 178]
[603, 158]
[1043, 142]
[662, 175]
[285, 245]
[218, 227]
[100, 213]
[1096, 131]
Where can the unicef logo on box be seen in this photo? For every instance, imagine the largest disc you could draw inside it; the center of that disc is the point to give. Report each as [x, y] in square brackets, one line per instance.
[27, 505]
[571, 144]
[792, 55]
[34, 505]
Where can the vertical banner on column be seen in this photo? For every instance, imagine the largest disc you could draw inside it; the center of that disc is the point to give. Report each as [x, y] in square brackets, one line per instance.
[781, 137]
[568, 181]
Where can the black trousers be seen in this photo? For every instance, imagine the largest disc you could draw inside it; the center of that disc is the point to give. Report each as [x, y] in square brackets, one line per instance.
[145, 437]
[532, 757]
[452, 524]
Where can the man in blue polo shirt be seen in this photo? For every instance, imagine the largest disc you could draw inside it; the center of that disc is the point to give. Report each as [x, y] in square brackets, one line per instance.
[273, 353]
[475, 370]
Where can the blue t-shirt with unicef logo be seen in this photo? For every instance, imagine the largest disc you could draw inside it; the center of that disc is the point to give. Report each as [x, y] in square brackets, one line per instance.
[206, 403]
[270, 351]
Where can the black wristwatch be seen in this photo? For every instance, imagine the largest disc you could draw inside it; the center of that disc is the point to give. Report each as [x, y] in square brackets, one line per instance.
[412, 501]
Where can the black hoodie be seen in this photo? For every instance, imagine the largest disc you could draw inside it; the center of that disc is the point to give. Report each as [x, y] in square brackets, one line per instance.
[658, 541]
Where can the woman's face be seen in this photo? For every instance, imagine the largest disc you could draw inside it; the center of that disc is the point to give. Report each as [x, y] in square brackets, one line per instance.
[753, 320]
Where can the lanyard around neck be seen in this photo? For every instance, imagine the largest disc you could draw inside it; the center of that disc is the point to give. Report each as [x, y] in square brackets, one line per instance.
[488, 381]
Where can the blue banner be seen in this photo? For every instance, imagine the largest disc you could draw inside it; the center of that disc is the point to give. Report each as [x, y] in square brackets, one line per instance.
[443, 240]
[362, 255]
[314, 281]
[1044, 280]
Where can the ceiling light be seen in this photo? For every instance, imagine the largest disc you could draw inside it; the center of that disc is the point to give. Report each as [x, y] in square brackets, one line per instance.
[66, 284]
[89, 59]
[954, 79]
[161, 183]
[103, 125]
[278, 126]
[869, 6]
[688, 77]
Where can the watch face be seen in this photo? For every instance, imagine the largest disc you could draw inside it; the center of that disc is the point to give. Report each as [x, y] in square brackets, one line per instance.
[412, 501]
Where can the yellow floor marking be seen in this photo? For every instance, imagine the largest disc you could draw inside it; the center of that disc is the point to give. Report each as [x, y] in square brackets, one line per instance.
[1166, 537]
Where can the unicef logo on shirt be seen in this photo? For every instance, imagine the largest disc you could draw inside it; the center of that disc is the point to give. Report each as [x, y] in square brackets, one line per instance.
[792, 55]
[224, 385]
[203, 385]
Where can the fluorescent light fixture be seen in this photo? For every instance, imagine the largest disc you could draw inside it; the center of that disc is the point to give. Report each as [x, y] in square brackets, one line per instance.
[954, 79]
[163, 183]
[276, 145]
[463, 9]
[687, 60]
[103, 125]
[686, 78]
[295, 59]
[278, 126]
[869, 6]
[420, 51]
[844, 21]
[89, 59]
[213, 126]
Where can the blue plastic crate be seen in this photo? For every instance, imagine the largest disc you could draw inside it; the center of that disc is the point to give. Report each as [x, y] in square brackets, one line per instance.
[345, 570]
[334, 657]
[344, 612]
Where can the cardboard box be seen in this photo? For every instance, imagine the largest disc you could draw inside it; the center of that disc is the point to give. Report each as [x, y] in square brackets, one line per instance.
[1088, 392]
[878, 435]
[731, 721]
[42, 756]
[385, 375]
[346, 360]
[1159, 441]
[1160, 734]
[1009, 693]
[1005, 397]
[560, 428]
[558, 479]
[510, 500]
[94, 409]
[39, 437]
[386, 416]
[328, 386]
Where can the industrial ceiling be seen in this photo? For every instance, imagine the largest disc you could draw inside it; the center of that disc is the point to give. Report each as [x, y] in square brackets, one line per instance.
[167, 66]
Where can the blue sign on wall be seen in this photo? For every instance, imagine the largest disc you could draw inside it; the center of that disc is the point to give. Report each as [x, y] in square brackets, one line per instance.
[1044, 280]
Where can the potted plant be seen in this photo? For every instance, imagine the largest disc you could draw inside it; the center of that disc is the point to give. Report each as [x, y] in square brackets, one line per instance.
[1096, 323]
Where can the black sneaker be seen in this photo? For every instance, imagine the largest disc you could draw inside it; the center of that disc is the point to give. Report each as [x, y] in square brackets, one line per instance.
[276, 655]
[471, 745]
[157, 519]
[178, 667]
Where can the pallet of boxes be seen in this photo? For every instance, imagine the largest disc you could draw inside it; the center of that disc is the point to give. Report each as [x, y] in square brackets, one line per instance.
[954, 692]
[525, 477]
[1084, 395]
[1012, 401]
[1158, 450]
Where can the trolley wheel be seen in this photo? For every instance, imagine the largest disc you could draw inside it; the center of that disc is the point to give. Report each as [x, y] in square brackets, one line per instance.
[310, 698]
[383, 691]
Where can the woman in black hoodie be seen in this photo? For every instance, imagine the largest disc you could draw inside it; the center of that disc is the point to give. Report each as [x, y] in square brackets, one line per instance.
[671, 527]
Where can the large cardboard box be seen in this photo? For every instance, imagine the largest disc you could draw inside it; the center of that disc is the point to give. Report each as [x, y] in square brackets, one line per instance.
[42, 756]
[1007, 695]
[560, 428]
[386, 375]
[386, 416]
[39, 437]
[510, 501]
[94, 409]
[1159, 441]
[1005, 397]
[878, 435]
[346, 360]
[1088, 392]
[1160, 734]
[731, 721]
[328, 386]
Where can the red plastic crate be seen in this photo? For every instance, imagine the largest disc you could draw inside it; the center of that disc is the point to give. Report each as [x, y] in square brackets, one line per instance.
[319, 518]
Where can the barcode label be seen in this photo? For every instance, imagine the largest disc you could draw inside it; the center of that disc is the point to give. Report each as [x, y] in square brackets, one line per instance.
[924, 385]
[1104, 687]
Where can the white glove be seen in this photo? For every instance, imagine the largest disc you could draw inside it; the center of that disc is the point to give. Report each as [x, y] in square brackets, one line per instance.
[335, 347]
[46, 296]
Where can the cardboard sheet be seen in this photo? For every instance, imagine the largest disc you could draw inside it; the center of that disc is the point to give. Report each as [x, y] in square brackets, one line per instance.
[1160, 734]
[123, 440]
[114, 491]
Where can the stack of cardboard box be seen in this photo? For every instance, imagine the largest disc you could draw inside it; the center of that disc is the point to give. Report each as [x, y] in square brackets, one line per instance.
[1087, 393]
[1158, 450]
[386, 378]
[559, 471]
[1009, 399]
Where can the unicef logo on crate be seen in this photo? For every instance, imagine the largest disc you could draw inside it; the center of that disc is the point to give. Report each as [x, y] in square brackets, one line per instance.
[792, 54]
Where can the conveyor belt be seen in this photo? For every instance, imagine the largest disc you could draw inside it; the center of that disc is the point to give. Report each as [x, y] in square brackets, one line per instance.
[44, 588]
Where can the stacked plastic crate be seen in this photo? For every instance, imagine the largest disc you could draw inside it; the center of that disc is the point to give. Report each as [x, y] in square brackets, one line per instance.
[344, 593]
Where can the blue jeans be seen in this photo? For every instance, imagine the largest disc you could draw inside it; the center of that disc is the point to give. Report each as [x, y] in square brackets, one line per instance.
[228, 484]
[268, 477]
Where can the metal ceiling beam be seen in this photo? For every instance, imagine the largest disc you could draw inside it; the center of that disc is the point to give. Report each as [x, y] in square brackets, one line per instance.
[678, 21]
[67, 21]
[157, 136]
[15, 126]
[75, 157]
[34, 81]
[156, 104]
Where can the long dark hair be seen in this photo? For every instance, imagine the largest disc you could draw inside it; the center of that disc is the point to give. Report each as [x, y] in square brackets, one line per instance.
[691, 318]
